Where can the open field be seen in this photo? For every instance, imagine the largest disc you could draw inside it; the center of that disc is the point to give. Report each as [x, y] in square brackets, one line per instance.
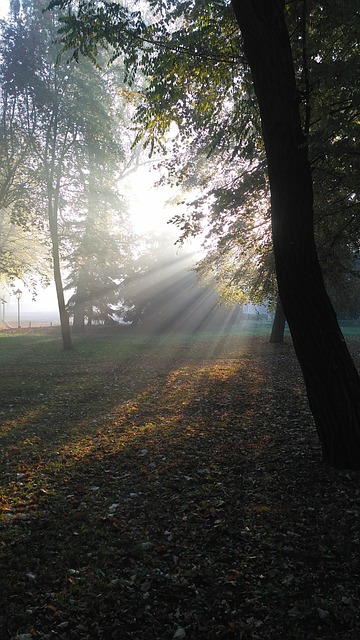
[169, 487]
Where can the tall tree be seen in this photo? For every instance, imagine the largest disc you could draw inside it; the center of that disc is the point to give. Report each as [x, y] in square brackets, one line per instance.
[102, 251]
[23, 252]
[69, 120]
[31, 74]
[331, 379]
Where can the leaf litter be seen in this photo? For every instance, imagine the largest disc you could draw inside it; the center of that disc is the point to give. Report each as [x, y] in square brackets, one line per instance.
[186, 498]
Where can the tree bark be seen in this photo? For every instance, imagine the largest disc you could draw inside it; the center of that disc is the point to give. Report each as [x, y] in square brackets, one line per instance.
[53, 170]
[278, 325]
[331, 379]
[64, 317]
[79, 305]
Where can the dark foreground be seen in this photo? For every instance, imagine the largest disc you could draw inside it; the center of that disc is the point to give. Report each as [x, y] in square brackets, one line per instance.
[168, 490]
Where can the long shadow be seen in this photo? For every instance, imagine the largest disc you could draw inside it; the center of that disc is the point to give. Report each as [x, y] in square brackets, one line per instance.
[199, 506]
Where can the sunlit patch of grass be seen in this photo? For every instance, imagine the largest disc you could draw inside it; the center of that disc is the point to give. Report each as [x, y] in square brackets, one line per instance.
[53, 442]
[15, 425]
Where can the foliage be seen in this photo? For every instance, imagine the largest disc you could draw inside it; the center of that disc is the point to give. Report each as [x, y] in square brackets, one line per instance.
[333, 112]
[233, 186]
[22, 253]
[102, 250]
[99, 265]
[19, 223]
[154, 487]
[198, 80]
[48, 98]
[71, 119]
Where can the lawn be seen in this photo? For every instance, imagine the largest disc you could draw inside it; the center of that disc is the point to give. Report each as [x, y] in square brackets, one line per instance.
[169, 487]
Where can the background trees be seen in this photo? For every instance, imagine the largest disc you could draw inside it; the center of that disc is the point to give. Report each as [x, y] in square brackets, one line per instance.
[102, 251]
[162, 293]
[60, 139]
[22, 246]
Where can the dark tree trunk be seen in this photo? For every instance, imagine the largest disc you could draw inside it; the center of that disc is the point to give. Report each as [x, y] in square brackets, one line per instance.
[278, 325]
[53, 194]
[64, 317]
[331, 379]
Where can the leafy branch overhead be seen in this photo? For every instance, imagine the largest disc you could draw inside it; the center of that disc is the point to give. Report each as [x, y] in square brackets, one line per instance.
[198, 78]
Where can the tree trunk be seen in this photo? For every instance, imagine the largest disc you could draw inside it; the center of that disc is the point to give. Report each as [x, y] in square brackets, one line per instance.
[79, 305]
[53, 193]
[64, 317]
[278, 325]
[53, 200]
[331, 379]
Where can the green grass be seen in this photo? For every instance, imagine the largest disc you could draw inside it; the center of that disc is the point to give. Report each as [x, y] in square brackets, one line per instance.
[162, 485]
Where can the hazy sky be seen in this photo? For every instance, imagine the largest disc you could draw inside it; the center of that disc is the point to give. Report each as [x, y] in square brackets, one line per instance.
[148, 209]
[4, 6]
[148, 203]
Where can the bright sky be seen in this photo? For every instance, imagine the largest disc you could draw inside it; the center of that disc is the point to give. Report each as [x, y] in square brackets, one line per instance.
[147, 202]
[4, 7]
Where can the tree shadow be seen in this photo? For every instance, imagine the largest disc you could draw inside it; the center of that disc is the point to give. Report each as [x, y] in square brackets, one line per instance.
[199, 502]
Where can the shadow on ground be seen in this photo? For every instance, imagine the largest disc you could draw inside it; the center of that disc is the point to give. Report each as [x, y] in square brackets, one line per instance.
[194, 504]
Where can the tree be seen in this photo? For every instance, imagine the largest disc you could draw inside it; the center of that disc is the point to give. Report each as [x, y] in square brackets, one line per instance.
[65, 117]
[103, 245]
[23, 253]
[32, 77]
[278, 325]
[331, 380]
[101, 256]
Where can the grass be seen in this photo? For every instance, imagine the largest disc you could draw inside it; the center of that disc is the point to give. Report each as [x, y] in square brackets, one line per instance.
[169, 487]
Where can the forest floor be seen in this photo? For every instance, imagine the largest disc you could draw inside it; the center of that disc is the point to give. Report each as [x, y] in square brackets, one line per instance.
[169, 488]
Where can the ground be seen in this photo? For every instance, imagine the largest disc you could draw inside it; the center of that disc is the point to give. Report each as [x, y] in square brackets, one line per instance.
[170, 488]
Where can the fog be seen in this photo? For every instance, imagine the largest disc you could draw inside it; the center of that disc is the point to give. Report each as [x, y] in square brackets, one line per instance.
[101, 229]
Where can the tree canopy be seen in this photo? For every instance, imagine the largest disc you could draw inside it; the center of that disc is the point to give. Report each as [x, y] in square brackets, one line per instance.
[199, 79]
[65, 146]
